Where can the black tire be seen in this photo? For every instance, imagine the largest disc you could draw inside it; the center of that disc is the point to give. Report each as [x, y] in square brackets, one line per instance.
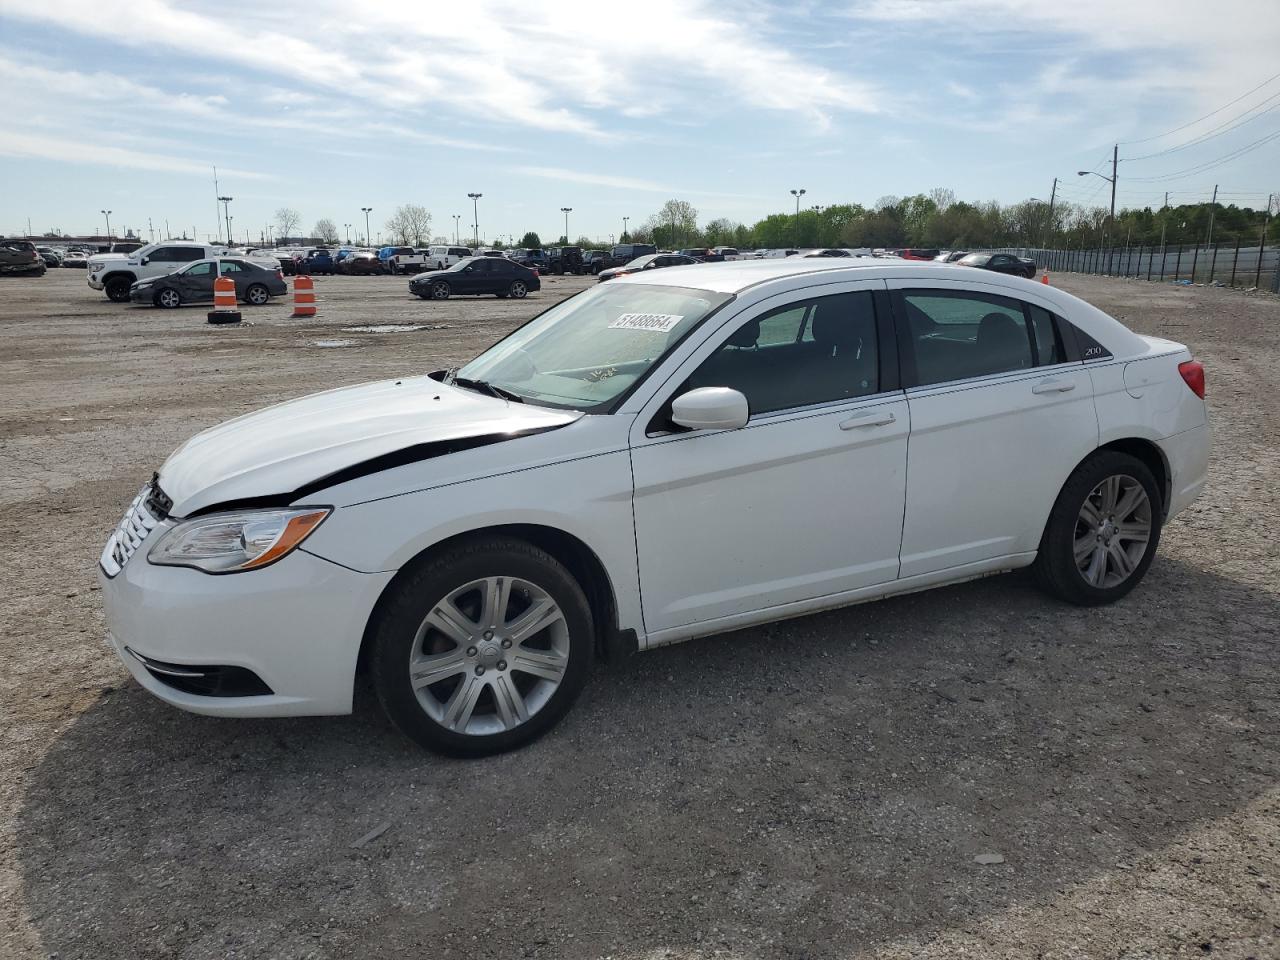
[1055, 566]
[168, 298]
[440, 290]
[117, 289]
[257, 295]
[519, 289]
[396, 623]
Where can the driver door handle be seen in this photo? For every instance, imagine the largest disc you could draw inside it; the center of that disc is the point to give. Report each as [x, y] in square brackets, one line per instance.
[868, 418]
[1053, 386]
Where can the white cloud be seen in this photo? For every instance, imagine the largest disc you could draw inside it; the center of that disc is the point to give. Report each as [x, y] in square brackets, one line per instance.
[31, 145]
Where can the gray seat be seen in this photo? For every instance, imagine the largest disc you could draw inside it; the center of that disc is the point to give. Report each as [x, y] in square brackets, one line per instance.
[1003, 345]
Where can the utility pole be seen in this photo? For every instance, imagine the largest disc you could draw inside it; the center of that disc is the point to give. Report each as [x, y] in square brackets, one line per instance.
[1166, 200]
[368, 240]
[1212, 206]
[795, 235]
[217, 218]
[226, 208]
[1053, 195]
[1115, 163]
[457, 239]
[625, 219]
[566, 211]
[151, 231]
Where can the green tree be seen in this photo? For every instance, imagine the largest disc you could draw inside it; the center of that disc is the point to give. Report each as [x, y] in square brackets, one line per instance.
[531, 241]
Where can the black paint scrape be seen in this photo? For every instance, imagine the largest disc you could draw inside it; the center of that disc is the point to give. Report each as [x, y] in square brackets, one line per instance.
[387, 461]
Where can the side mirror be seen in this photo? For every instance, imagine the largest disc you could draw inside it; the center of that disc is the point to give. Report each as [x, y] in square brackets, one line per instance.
[144, 261]
[710, 408]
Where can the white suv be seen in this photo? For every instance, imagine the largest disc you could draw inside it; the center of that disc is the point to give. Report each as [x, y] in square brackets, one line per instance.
[115, 273]
[675, 453]
[441, 258]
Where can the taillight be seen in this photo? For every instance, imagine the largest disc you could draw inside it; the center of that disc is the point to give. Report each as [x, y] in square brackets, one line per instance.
[279, 273]
[1193, 372]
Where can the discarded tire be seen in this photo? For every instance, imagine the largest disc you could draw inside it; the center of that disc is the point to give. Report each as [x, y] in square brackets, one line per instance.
[223, 316]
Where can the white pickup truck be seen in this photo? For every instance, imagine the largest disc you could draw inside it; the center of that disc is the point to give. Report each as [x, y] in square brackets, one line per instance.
[115, 273]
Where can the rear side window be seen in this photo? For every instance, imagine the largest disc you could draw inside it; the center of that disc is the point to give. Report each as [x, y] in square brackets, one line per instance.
[1048, 339]
[959, 335]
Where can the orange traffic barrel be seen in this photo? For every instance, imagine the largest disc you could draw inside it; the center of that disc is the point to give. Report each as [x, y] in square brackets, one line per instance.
[224, 302]
[304, 297]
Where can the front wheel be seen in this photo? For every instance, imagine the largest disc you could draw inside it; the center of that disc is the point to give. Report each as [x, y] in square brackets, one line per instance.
[257, 295]
[1103, 532]
[168, 298]
[481, 648]
[440, 290]
[117, 289]
[519, 289]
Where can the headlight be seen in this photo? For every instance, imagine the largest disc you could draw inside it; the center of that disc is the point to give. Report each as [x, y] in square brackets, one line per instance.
[232, 542]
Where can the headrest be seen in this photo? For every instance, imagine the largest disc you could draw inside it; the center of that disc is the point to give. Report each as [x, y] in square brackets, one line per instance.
[1001, 328]
[837, 324]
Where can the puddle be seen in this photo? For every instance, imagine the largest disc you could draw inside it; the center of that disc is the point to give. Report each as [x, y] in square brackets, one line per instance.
[333, 343]
[396, 328]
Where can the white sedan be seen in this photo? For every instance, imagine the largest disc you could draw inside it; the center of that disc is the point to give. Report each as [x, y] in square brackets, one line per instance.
[670, 455]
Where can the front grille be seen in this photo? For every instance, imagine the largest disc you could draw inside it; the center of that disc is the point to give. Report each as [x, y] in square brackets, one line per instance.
[136, 525]
[158, 502]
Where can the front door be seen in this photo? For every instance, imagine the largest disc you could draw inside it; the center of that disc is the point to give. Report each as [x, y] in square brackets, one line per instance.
[803, 502]
[1000, 416]
[197, 283]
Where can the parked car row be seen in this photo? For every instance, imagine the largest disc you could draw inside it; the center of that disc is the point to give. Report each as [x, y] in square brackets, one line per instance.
[256, 283]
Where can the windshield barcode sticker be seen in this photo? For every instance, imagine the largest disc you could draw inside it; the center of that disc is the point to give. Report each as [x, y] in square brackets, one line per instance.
[657, 322]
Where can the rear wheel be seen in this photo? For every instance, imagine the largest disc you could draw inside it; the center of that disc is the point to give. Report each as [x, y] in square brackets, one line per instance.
[519, 289]
[481, 648]
[1103, 532]
[440, 290]
[257, 295]
[117, 289]
[168, 298]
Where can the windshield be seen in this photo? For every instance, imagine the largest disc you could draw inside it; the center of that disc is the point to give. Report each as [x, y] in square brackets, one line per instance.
[585, 352]
[641, 262]
[976, 259]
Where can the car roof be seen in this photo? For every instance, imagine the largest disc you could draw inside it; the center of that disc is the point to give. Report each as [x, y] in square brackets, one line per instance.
[764, 278]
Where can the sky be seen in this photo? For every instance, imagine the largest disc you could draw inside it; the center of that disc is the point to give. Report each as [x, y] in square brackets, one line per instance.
[612, 109]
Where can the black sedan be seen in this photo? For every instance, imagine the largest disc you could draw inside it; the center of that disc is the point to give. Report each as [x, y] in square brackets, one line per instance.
[1000, 263]
[255, 284]
[650, 261]
[475, 276]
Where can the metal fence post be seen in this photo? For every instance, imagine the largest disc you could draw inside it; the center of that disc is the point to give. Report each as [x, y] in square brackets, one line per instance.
[1213, 263]
[1235, 260]
[1151, 262]
[1262, 249]
[1177, 267]
[1195, 257]
[1164, 252]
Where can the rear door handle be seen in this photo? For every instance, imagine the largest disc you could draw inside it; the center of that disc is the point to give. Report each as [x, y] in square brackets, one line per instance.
[870, 418]
[1053, 386]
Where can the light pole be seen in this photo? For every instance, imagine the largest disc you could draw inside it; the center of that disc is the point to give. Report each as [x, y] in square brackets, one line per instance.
[475, 212]
[457, 240]
[107, 214]
[624, 226]
[226, 212]
[151, 231]
[795, 238]
[566, 211]
[366, 211]
[1115, 162]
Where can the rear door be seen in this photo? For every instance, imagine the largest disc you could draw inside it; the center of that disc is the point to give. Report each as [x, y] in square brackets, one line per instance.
[1000, 416]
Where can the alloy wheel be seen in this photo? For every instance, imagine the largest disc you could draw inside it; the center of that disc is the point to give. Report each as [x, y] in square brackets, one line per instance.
[440, 290]
[1112, 531]
[169, 298]
[489, 655]
[518, 289]
[258, 295]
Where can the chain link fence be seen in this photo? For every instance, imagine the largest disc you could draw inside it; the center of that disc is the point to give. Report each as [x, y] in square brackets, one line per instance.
[1222, 264]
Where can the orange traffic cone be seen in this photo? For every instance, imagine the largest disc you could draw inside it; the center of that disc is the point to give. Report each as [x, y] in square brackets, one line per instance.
[1044, 277]
[224, 302]
[304, 297]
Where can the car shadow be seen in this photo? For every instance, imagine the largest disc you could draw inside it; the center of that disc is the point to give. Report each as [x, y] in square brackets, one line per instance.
[792, 790]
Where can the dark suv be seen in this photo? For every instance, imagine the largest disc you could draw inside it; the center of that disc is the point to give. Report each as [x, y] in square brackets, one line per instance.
[531, 257]
[20, 256]
[592, 260]
[564, 260]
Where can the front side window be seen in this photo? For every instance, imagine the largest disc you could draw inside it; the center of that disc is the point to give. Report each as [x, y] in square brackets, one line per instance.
[814, 351]
[587, 351]
[200, 270]
[958, 335]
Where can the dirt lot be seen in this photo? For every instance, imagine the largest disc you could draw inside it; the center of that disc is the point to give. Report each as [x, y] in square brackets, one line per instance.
[818, 788]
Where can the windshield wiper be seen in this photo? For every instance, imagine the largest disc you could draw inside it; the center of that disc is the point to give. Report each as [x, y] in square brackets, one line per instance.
[484, 386]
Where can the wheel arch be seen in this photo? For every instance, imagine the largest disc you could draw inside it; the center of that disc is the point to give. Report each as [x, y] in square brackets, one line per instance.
[1153, 457]
[580, 560]
[117, 274]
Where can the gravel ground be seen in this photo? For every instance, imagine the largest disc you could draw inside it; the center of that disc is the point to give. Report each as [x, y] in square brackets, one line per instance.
[817, 788]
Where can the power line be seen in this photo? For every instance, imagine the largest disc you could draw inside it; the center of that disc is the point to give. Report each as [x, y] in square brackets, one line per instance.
[1161, 136]
[1209, 165]
[1217, 131]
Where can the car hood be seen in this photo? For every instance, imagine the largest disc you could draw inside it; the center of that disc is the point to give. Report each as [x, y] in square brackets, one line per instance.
[287, 450]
